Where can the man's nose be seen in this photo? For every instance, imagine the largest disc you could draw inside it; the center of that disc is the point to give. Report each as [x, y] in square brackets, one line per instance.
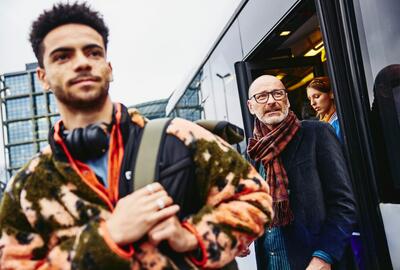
[82, 63]
[271, 100]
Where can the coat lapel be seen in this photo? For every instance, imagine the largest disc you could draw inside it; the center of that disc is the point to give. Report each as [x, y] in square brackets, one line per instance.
[291, 149]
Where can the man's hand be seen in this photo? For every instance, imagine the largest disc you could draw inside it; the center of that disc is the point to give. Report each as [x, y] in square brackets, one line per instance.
[138, 212]
[179, 239]
[244, 253]
[318, 264]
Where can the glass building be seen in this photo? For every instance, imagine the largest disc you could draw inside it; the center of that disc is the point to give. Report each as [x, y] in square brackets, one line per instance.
[189, 106]
[152, 109]
[27, 113]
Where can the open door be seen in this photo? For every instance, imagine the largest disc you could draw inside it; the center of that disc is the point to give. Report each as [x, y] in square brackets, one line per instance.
[295, 51]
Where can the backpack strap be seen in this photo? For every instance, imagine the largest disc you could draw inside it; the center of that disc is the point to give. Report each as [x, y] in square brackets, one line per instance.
[145, 169]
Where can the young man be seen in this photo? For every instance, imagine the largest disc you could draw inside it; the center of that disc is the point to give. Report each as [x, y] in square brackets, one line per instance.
[71, 206]
[309, 183]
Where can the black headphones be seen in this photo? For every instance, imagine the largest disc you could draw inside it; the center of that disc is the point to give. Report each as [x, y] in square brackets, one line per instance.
[86, 143]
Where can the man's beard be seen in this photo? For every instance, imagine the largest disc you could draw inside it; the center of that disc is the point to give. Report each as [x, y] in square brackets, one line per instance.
[274, 120]
[75, 103]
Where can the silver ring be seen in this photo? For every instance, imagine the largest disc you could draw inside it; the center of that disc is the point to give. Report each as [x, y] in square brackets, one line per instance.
[150, 188]
[160, 203]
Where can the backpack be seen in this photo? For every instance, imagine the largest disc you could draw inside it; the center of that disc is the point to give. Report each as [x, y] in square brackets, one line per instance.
[146, 164]
[145, 167]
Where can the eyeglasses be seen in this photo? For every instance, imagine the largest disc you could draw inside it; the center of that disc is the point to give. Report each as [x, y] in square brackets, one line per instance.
[277, 94]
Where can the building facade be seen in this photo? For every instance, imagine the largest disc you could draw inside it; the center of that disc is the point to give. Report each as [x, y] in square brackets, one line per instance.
[188, 105]
[152, 109]
[27, 113]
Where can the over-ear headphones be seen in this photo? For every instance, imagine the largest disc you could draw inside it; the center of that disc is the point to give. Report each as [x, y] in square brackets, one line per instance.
[87, 143]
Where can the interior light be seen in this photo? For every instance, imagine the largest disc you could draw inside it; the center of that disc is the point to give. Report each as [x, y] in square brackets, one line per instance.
[319, 45]
[323, 55]
[285, 33]
[280, 76]
[303, 81]
[316, 50]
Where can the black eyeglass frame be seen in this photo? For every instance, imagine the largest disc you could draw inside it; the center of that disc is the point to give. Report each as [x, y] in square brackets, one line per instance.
[271, 93]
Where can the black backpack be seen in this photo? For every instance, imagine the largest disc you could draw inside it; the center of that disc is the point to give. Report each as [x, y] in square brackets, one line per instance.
[145, 168]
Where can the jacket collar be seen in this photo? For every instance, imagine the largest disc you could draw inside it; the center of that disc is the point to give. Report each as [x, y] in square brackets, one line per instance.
[124, 122]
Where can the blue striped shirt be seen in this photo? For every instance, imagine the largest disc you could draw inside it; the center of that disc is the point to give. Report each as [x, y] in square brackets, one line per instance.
[274, 246]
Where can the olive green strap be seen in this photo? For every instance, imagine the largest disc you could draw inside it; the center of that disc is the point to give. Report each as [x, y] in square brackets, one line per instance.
[144, 171]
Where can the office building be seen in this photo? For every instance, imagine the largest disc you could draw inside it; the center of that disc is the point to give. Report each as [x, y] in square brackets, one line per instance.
[27, 113]
[152, 109]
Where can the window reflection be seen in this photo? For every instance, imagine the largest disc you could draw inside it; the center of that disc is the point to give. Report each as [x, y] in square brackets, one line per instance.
[42, 128]
[17, 85]
[18, 108]
[189, 107]
[40, 105]
[20, 131]
[20, 154]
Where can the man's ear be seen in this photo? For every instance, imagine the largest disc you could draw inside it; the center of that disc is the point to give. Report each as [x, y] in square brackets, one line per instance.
[250, 106]
[110, 74]
[331, 95]
[41, 73]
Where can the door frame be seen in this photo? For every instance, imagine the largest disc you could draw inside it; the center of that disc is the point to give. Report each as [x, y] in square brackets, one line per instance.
[346, 70]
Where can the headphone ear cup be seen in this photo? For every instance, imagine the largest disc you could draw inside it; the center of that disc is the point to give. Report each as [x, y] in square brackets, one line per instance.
[74, 142]
[95, 140]
[87, 143]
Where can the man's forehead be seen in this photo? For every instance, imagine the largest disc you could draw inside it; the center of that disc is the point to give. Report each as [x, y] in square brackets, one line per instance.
[70, 35]
[265, 83]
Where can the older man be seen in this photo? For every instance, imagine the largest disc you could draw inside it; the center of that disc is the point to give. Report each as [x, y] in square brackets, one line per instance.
[309, 183]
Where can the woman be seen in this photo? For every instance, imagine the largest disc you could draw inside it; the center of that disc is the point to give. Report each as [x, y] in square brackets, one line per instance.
[320, 94]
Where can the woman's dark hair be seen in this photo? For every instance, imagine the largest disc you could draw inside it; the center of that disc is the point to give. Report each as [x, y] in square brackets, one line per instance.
[322, 84]
[60, 14]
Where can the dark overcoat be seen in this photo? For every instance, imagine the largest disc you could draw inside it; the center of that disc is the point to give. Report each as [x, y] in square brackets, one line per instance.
[321, 198]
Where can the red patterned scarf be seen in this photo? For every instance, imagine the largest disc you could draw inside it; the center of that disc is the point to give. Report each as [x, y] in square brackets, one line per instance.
[266, 146]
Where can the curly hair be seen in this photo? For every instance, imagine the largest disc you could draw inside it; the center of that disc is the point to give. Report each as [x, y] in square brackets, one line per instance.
[322, 84]
[60, 14]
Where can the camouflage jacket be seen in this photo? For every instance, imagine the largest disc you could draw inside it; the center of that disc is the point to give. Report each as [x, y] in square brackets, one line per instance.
[52, 218]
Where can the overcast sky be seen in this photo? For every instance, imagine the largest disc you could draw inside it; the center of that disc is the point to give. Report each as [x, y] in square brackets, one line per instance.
[154, 44]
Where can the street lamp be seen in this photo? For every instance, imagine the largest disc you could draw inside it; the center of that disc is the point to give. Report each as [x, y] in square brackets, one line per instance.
[223, 77]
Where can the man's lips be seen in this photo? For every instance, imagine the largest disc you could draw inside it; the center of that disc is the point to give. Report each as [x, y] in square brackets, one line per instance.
[273, 111]
[84, 80]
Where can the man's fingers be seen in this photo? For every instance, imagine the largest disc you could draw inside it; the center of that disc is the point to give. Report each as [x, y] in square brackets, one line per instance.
[160, 235]
[163, 214]
[161, 225]
[158, 201]
[142, 198]
[147, 190]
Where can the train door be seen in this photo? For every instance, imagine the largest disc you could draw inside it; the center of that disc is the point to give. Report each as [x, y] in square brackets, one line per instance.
[310, 42]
